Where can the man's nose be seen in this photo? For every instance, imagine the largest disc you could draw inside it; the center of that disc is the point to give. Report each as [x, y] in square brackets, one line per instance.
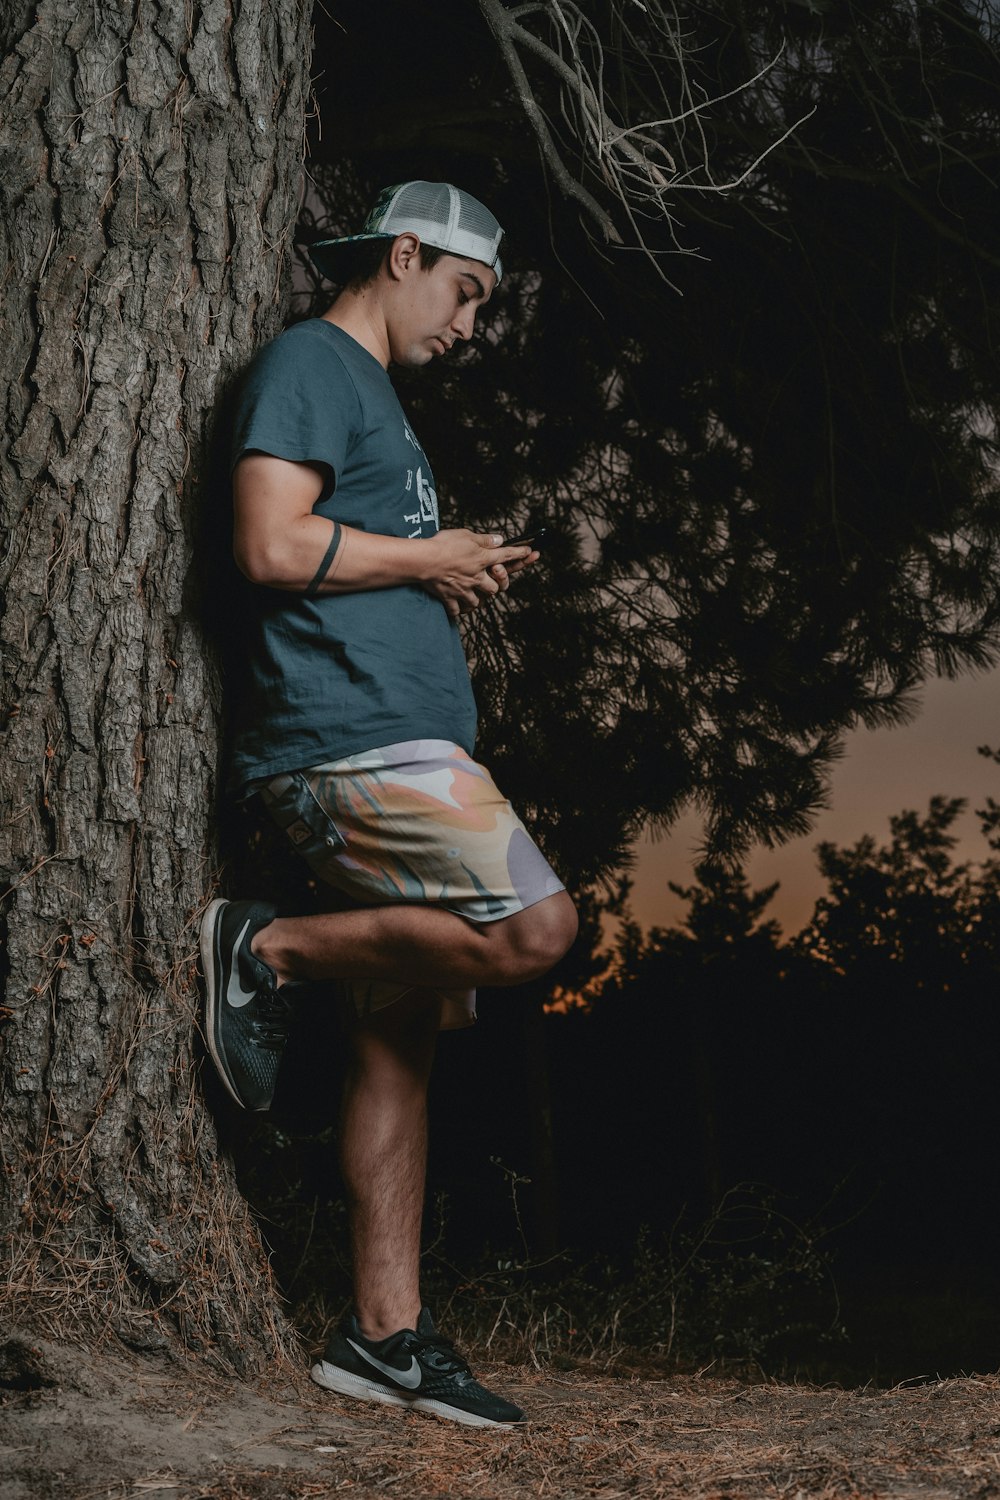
[464, 321]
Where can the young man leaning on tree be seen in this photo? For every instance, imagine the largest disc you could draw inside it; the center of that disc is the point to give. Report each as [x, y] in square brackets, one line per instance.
[355, 728]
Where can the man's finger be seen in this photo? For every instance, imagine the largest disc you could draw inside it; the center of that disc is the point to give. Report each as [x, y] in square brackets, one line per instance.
[513, 556]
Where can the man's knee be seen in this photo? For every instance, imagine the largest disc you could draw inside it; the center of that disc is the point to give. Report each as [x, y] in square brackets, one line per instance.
[538, 937]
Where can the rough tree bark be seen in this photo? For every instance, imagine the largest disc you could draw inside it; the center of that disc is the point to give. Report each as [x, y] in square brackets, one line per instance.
[151, 154]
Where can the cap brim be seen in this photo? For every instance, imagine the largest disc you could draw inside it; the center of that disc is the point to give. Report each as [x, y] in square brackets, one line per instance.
[326, 254]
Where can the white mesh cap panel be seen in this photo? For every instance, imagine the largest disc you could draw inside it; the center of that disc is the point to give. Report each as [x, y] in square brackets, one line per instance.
[445, 217]
[441, 215]
[430, 203]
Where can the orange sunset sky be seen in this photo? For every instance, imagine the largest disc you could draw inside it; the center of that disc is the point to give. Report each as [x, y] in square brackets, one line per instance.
[882, 772]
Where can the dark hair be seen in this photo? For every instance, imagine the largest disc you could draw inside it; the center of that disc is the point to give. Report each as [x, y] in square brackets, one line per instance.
[360, 263]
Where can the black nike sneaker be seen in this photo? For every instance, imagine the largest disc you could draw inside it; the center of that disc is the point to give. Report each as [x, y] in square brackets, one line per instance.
[415, 1368]
[246, 1015]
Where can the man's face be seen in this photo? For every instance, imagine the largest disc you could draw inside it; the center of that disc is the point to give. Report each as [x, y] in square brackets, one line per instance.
[435, 308]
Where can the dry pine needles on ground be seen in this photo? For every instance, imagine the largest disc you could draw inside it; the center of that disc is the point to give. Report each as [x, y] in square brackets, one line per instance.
[120, 1429]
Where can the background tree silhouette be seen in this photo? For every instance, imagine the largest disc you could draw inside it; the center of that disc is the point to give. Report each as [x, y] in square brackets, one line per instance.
[772, 501]
[848, 1069]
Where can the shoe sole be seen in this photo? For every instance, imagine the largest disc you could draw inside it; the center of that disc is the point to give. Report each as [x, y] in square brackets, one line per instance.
[209, 969]
[333, 1378]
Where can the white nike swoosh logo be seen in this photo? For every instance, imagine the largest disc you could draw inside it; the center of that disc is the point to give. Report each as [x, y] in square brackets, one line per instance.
[409, 1378]
[236, 995]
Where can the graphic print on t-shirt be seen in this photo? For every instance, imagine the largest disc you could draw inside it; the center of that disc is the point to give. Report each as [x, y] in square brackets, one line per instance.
[425, 493]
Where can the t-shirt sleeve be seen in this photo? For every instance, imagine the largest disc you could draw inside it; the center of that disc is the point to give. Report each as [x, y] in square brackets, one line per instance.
[297, 401]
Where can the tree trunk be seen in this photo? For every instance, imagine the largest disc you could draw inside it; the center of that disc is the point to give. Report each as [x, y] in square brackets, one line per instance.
[151, 155]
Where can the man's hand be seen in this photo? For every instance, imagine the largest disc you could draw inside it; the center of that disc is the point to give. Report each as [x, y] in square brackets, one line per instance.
[503, 574]
[468, 568]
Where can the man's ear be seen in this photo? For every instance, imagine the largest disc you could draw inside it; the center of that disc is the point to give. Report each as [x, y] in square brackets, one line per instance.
[404, 255]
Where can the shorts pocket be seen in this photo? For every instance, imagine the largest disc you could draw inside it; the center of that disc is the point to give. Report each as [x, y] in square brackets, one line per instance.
[312, 832]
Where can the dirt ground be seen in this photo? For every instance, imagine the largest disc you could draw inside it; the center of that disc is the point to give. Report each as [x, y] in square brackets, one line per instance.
[131, 1429]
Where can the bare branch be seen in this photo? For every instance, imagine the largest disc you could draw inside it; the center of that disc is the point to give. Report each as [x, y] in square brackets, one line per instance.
[501, 25]
[643, 137]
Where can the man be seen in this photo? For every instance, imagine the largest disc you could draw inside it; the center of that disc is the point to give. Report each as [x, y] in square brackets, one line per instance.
[356, 730]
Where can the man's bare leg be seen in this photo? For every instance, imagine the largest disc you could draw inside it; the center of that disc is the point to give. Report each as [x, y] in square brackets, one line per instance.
[419, 945]
[383, 1154]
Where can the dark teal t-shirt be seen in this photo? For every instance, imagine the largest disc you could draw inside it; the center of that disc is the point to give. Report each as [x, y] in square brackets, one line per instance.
[335, 674]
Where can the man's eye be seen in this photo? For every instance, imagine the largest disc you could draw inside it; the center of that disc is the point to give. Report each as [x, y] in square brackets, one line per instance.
[463, 298]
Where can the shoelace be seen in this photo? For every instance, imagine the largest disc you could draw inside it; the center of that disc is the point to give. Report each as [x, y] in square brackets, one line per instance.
[270, 1019]
[445, 1357]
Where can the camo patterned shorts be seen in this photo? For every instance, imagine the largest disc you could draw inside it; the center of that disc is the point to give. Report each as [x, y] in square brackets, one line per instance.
[418, 822]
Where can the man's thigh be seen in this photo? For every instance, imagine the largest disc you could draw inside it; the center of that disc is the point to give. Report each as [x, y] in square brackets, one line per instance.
[417, 823]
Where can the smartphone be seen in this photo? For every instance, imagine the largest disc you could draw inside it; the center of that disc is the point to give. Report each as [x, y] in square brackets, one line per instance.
[536, 539]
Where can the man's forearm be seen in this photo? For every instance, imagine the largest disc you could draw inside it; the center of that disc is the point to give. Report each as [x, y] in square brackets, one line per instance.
[315, 555]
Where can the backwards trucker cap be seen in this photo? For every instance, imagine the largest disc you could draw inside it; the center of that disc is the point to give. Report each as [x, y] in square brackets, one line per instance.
[439, 214]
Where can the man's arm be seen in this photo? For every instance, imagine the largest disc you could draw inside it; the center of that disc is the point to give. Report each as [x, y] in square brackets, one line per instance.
[280, 542]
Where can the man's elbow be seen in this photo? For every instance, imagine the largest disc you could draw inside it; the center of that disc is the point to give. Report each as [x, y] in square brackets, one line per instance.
[263, 562]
